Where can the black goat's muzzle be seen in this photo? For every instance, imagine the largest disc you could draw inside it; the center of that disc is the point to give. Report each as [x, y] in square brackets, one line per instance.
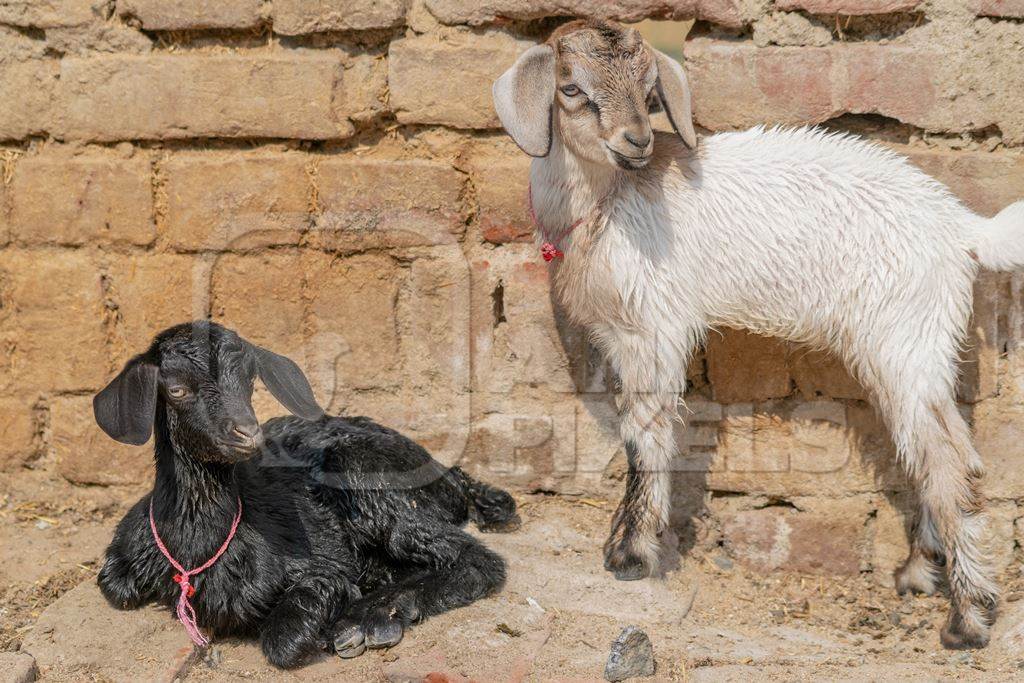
[242, 444]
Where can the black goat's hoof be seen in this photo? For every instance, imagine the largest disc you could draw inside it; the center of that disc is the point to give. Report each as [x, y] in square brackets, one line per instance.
[351, 652]
[383, 631]
[349, 641]
[502, 526]
[377, 629]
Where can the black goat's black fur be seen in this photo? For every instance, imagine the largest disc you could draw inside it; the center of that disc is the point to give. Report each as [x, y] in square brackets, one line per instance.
[349, 531]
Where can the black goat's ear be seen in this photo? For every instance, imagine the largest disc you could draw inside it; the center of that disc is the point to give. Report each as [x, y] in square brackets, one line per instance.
[125, 408]
[286, 382]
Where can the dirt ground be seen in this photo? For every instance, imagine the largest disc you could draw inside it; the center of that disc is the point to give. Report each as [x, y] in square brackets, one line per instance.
[709, 619]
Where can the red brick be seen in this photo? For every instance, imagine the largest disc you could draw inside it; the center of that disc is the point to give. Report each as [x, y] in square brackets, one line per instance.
[466, 63]
[366, 203]
[501, 192]
[192, 14]
[986, 182]
[789, 448]
[30, 112]
[237, 201]
[82, 200]
[725, 12]
[516, 338]
[828, 540]
[293, 17]
[849, 7]
[737, 85]
[50, 13]
[17, 432]
[899, 81]
[747, 367]
[208, 95]
[85, 455]
[1013, 9]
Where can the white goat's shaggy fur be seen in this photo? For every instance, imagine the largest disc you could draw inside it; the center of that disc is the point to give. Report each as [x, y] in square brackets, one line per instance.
[813, 237]
[800, 234]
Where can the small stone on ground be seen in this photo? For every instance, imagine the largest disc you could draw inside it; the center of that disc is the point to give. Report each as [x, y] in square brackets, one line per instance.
[632, 656]
[17, 667]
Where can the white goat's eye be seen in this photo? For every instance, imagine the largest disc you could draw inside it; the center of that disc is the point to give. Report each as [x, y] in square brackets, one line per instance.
[177, 392]
[570, 90]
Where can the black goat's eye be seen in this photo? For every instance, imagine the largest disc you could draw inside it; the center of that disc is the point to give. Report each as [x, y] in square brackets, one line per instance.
[177, 391]
[570, 90]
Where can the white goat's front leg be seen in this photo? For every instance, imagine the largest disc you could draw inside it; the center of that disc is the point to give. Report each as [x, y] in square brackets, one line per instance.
[652, 378]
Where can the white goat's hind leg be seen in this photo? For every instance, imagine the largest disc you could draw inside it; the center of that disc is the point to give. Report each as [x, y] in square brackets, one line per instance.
[951, 486]
[651, 385]
[947, 470]
[923, 568]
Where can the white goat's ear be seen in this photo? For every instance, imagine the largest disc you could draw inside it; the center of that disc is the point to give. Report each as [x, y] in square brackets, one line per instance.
[524, 96]
[674, 93]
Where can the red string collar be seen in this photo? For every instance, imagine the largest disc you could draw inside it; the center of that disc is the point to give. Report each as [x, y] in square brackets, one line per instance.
[186, 614]
[548, 250]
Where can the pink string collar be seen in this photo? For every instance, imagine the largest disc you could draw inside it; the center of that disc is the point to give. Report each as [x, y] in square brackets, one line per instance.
[186, 614]
[548, 250]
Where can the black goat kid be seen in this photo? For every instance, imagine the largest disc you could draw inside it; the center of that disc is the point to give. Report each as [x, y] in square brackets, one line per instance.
[349, 531]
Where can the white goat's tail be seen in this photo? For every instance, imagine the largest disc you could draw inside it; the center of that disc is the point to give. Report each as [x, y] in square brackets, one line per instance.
[999, 241]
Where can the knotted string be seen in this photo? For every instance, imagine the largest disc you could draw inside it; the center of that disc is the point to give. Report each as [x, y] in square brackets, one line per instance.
[548, 250]
[186, 614]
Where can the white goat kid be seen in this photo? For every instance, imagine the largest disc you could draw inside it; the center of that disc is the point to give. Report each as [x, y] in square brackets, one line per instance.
[814, 237]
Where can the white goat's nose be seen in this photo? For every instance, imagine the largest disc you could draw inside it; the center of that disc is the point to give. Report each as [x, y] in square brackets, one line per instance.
[638, 140]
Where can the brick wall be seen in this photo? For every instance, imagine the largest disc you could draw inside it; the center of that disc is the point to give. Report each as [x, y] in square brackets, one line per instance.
[329, 178]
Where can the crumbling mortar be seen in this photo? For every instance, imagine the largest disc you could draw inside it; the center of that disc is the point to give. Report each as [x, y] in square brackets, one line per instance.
[159, 201]
[372, 132]
[356, 40]
[42, 436]
[217, 41]
[8, 162]
[110, 314]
